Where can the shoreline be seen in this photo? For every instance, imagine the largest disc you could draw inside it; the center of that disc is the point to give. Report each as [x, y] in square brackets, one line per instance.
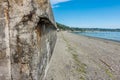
[78, 57]
[96, 37]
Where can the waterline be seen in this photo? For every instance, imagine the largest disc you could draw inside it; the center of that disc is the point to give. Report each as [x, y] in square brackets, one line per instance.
[105, 35]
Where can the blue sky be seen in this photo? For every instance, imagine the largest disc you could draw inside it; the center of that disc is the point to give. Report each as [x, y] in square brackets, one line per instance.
[87, 13]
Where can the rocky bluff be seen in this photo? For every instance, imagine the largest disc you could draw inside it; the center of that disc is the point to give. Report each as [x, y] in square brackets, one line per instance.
[27, 39]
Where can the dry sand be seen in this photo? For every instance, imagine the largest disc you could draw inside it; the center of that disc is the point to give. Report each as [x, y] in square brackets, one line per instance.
[78, 57]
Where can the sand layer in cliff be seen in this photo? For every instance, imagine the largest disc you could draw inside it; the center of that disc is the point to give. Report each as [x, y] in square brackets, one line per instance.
[84, 58]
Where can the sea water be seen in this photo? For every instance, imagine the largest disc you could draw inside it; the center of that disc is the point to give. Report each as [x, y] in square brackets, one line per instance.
[106, 35]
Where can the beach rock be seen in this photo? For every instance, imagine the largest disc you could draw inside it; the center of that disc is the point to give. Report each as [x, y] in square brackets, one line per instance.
[27, 39]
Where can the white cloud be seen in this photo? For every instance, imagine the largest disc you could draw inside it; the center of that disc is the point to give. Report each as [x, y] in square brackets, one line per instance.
[55, 6]
[53, 2]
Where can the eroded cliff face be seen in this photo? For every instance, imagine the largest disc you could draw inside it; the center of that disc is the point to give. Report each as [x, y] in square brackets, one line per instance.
[27, 39]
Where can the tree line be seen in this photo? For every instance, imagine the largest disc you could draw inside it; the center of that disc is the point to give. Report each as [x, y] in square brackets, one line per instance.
[65, 27]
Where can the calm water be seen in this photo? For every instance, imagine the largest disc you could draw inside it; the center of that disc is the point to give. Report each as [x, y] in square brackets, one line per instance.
[105, 35]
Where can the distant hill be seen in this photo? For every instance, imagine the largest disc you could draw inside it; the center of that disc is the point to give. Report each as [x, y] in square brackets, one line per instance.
[65, 27]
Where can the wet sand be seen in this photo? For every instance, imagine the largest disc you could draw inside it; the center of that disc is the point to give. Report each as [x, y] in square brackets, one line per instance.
[78, 57]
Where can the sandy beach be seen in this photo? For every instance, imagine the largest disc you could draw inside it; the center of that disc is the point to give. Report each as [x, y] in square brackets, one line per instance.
[78, 57]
